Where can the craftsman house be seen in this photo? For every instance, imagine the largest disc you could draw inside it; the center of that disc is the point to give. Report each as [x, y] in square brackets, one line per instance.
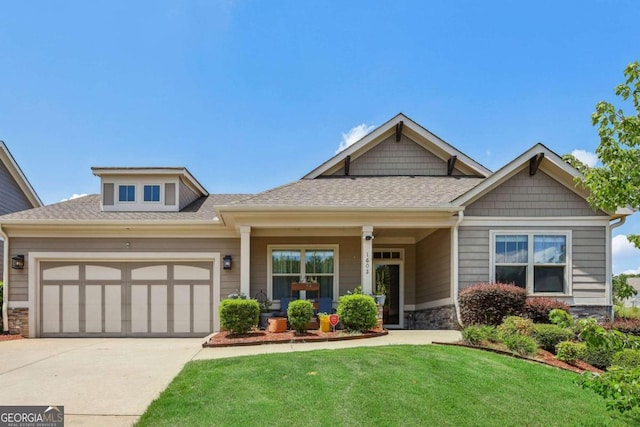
[154, 253]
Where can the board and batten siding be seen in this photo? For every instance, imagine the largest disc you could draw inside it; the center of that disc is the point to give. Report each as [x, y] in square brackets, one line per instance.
[433, 267]
[531, 196]
[588, 268]
[402, 158]
[229, 279]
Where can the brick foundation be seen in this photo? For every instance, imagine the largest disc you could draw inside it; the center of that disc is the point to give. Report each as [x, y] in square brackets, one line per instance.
[432, 318]
[18, 321]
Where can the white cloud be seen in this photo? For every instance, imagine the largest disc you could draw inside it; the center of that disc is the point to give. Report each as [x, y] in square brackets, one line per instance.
[354, 135]
[589, 159]
[74, 196]
[621, 246]
[636, 271]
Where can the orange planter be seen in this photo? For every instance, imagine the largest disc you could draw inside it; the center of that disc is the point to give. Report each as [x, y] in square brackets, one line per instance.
[277, 324]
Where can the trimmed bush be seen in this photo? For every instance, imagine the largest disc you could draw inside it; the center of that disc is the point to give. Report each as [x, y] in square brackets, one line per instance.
[626, 359]
[357, 312]
[562, 318]
[627, 326]
[239, 316]
[299, 313]
[515, 325]
[475, 335]
[521, 344]
[548, 336]
[489, 303]
[537, 308]
[569, 351]
[599, 357]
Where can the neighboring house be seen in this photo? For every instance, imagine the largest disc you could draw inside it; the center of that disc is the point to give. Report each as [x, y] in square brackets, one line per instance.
[634, 301]
[145, 257]
[16, 194]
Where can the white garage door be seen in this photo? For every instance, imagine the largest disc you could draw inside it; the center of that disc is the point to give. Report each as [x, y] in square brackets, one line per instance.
[126, 299]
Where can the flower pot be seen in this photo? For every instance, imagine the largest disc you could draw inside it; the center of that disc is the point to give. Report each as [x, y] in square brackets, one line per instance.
[380, 299]
[325, 325]
[264, 320]
[277, 324]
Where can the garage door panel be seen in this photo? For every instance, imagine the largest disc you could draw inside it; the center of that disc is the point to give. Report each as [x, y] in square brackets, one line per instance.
[139, 306]
[113, 309]
[201, 309]
[182, 308]
[159, 308]
[51, 309]
[71, 309]
[93, 309]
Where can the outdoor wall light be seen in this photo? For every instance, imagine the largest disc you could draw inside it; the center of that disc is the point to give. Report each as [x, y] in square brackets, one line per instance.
[226, 262]
[17, 262]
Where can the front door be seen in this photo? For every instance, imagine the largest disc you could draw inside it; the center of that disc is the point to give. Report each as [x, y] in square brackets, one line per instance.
[389, 279]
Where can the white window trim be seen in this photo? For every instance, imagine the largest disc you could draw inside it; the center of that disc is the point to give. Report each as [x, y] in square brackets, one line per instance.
[301, 247]
[568, 271]
[153, 202]
[135, 193]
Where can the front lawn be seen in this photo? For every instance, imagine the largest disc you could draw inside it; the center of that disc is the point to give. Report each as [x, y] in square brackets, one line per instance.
[385, 386]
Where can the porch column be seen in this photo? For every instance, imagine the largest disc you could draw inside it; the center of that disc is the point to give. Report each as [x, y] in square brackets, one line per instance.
[367, 259]
[245, 259]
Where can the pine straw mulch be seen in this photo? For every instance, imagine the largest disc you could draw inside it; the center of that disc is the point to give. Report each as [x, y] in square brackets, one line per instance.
[257, 337]
[544, 357]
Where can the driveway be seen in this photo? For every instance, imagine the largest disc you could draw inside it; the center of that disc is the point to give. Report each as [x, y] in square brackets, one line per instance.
[112, 381]
[100, 381]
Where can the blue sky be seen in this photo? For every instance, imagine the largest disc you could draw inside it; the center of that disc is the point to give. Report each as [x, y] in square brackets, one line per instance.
[253, 94]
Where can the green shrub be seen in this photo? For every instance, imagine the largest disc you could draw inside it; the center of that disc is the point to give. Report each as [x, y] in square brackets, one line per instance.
[239, 316]
[569, 351]
[515, 325]
[299, 313]
[521, 344]
[475, 335]
[622, 312]
[620, 387]
[548, 336]
[357, 312]
[561, 318]
[488, 304]
[538, 308]
[628, 326]
[599, 357]
[627, 359]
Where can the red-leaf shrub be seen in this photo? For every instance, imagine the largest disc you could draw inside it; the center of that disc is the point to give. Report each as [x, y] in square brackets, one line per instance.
[626, 326]
[538, 308]
[489, 303]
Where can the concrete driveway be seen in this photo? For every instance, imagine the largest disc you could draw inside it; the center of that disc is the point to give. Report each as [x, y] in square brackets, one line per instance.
[108, 381]
[112, 381]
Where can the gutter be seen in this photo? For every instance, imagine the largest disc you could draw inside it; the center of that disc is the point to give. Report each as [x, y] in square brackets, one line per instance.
[5, 280]
[454, 265]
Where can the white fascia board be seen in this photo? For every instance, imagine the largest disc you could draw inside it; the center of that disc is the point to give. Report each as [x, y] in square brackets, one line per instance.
[386, 127]
[115, 223]
[12, 166]
[485, 221]
[321, 209]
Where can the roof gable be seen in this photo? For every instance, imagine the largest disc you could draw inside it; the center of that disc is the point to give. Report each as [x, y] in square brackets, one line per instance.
[407, 132]
[18, 177]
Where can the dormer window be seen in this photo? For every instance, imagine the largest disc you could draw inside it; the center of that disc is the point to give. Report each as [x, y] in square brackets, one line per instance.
[127, 193]
[151, 193]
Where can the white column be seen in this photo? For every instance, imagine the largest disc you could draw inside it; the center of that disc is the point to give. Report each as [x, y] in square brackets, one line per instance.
[367, 259]
[245, 260]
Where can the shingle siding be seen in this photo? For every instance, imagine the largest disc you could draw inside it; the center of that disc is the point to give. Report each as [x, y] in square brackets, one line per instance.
[433, 269]
[391, 158]
[588, 259]
[531, 196]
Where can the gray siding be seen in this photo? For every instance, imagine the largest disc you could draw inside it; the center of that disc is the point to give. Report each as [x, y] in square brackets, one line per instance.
[391, 158]
[187, 195]
[108, 194]
[588, 259]
[2, 260]
[229, 279]
[12, 199]
[433, 267]
[169, 194]
[531, 196]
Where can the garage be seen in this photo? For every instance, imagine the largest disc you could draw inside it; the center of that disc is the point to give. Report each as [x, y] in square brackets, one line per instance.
[126, 299]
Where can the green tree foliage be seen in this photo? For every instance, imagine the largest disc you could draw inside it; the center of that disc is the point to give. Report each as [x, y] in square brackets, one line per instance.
[621, 289]
[617, 182]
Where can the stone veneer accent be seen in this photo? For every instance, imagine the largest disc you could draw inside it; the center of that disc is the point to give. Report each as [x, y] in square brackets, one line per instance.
[18, 321]
[432, 318]
[600, 312]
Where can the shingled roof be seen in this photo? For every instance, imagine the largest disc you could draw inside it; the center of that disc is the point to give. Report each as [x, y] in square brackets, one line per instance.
[400, 192]
[87, 208]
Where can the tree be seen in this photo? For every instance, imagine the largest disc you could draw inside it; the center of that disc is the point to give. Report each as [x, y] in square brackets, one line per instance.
[617, 182]
[621, 289]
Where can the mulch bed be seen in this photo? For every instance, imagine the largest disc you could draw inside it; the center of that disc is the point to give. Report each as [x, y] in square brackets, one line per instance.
[7, 337]
[226, 339]
[543, 356]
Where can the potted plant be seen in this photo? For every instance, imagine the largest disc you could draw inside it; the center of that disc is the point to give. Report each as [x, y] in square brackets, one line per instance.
[277, 324]
[325, 325]
[265, 312]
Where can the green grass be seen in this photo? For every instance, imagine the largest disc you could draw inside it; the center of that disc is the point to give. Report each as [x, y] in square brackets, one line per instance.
[626, 312]
[378, 386]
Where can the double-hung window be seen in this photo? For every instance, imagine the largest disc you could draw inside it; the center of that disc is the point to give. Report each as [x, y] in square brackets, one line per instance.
[536, 261]
[151, 193]
[308, 264]
[126, 193]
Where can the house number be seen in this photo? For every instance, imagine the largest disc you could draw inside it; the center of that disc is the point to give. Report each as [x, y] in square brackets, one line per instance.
[366, 264]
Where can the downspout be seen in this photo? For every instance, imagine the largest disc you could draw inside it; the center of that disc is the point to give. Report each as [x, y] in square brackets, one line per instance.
[620, 222]
[5, 281]
[454, 265]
